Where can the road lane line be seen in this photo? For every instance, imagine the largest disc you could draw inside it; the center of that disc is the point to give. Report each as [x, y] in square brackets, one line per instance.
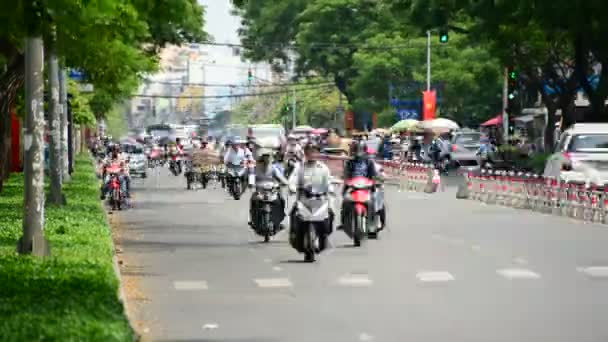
[355, 280]
[518, 273]
[210, 326]
[189, 285]
[595, 272]
[365, 337]
[277, 268]
[273, 282]
[434, 276]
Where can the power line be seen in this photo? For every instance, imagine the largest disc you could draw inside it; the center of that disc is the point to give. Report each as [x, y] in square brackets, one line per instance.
[226, 96]
[325, 45]
[211, 85]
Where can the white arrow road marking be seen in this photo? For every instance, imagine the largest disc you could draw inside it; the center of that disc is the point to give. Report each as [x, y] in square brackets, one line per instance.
[518, 273]
[434, 276]
[188, 285]
[273, 282]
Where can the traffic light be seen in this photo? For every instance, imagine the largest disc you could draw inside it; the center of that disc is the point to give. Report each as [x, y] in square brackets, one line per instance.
[443, 36]
[287, 108]
[249, 76]
[512, 76]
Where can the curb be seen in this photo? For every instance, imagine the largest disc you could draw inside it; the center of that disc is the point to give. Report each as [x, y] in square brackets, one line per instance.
[122, 298]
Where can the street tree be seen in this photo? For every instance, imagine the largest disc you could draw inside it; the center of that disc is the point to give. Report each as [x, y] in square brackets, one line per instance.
[112, 42]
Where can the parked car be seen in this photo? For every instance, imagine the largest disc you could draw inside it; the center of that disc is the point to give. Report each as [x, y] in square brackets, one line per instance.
[581, 154]
[138, 162]
[464, 147]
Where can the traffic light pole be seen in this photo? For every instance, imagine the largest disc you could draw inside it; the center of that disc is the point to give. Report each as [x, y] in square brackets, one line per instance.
[293, 112]
[428, 60]
[505, 105]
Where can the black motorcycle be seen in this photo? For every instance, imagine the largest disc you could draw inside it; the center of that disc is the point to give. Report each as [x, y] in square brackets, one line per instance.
[265, 198]
[235, 180]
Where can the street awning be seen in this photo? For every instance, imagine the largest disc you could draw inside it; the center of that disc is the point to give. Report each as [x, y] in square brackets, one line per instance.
[524, 118]
[495, 121]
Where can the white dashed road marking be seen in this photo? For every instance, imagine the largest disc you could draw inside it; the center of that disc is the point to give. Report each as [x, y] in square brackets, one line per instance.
[355, 280]
[365, 337]
[210, 326]
[277, 268]
[518, 273]
[434, 276]
[190, 285]
[595, 271]
[273, 282]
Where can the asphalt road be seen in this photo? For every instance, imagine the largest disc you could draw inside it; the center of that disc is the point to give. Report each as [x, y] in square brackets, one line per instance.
[446, 270]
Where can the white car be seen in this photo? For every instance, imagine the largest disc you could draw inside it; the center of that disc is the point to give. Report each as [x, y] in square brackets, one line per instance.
[581, 154]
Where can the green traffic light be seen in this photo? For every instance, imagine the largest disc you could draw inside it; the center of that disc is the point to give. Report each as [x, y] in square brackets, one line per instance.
[513, 75]
[443, 38]
[511, 96]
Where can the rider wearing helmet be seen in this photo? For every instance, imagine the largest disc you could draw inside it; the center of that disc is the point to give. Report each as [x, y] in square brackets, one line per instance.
[359, 166]
[266, 171]
[293, 149]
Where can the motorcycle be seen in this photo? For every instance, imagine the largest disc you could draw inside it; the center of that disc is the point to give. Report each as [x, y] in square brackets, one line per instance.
[357, 199]
[234, 180]
[116, 198]
[266, 195]
[311, 223]
[190, 174]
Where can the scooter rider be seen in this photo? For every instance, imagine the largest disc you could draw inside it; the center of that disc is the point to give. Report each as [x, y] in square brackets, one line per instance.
[293, 149]
[266, 171]
[359, 166]
[316, 174]
[235, 155]
[115, 158]
[293, 152]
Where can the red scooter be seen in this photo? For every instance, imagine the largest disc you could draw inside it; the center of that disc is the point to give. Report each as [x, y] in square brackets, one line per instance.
[356, 203]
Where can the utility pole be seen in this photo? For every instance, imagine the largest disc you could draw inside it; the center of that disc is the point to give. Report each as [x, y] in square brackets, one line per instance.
[55, 196]
[505, 105]
[428, 60]
[32, 241]
[63, 100]
[293, 113]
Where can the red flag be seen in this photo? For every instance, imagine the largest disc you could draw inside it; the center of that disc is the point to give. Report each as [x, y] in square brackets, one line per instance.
[429, 105]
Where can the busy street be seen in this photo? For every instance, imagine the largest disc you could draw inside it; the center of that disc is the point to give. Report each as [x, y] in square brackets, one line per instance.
[444, 269]
[303, 170]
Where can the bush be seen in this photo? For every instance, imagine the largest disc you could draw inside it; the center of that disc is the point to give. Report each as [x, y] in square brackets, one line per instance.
[71, 296]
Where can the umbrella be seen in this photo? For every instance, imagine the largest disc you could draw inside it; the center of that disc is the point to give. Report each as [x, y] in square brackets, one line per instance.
[438, 125]
[304, 128]
[404, 125]
[495, 121]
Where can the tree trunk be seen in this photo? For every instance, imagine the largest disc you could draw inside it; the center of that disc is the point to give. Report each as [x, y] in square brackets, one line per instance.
[32, 241]
[63, 99]
[55, 196]
[550, 128]
[10, 82]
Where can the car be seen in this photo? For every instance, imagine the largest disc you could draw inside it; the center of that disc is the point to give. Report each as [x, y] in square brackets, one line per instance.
[138, 162]
[581, 155]
[269, 136]
[463, 148]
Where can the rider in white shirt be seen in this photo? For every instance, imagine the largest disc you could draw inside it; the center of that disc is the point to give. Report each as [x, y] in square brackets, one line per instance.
[235, 155]
[293, 149]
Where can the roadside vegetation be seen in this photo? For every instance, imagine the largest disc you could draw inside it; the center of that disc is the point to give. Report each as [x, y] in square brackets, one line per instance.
[73, 295]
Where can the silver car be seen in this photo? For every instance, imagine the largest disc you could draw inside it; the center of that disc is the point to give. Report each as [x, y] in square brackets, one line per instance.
[138, 162]
[581, 154]
[463, 149]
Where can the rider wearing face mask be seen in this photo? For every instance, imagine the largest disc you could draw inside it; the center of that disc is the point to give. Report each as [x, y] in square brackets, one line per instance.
[266, 171]
[359, 166]
[317, 175]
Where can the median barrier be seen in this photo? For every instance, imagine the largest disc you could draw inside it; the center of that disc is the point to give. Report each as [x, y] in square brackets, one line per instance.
[579, 200]
[408, 176]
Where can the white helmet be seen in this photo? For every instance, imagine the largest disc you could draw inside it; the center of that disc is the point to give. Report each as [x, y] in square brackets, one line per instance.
[292, 138]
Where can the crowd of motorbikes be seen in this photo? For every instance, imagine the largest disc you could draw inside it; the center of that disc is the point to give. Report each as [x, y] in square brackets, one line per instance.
[312, 217]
